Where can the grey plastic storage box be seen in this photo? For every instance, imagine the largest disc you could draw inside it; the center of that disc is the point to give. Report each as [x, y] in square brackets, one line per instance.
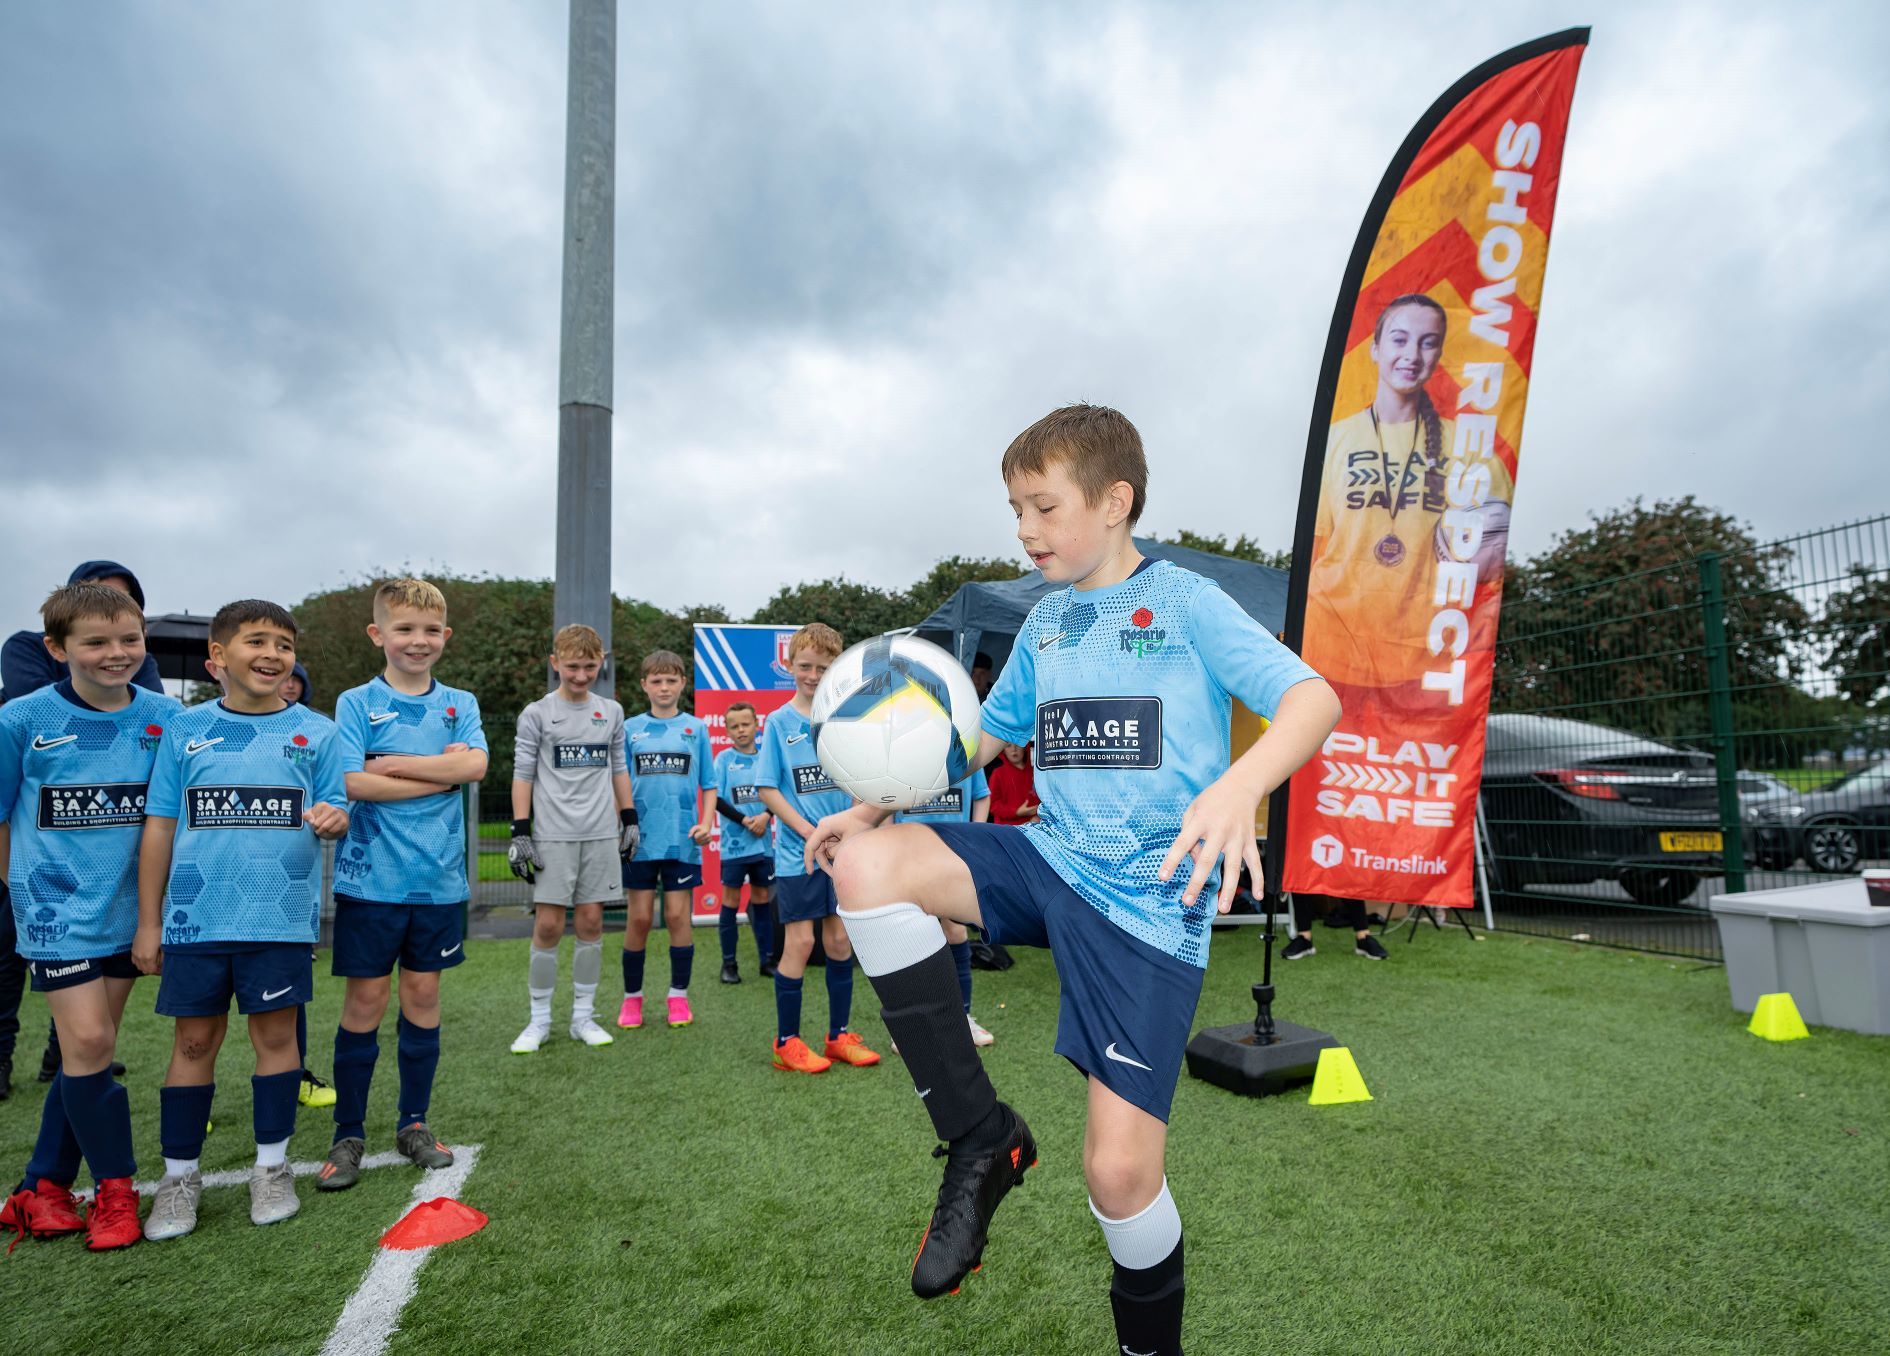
[1826, 945]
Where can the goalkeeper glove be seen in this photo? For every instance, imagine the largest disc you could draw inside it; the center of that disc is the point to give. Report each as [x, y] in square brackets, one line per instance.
[628, 836]
[521, 856]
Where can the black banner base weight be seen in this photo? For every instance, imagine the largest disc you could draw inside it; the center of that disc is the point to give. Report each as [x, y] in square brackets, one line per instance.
[1232, 1057]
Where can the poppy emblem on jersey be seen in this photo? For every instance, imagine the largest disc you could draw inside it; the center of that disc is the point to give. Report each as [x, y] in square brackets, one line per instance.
[1138, 639]
[154, 729]
[297, 750]
[1142, 617]
[149, 739]
[300, 741]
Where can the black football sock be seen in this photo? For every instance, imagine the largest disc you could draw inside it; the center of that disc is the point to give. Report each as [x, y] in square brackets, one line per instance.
[1147, 1306]
[903, 952]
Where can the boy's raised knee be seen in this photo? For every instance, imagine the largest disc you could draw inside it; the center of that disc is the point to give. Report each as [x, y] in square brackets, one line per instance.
[1121, 1183]
[861, 869]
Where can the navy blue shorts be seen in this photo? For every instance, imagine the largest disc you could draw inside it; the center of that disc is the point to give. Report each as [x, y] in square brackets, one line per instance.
[370, 938]
[67, 974]
[667, 872]
[802, 899]
[755, 871]
[262, 978]
[1127, 1009]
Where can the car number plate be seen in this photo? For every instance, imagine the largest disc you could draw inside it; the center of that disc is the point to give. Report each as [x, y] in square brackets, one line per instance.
[1691, 842]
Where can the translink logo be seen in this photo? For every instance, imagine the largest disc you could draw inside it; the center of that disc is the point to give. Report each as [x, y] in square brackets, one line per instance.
[1327, 850]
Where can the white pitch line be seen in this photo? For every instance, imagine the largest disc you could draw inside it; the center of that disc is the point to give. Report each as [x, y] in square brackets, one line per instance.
[387, 1158]
[372, 1314]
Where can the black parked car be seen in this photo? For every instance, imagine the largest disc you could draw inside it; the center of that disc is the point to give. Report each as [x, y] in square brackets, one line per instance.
[1838, 827]
[1567, 802]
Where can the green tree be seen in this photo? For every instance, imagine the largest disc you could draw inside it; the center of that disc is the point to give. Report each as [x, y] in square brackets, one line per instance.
[1242, 547]
[1607, 625]
[1856, 636]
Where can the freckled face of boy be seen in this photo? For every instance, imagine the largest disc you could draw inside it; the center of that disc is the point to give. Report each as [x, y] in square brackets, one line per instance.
[106, 652]
[1066, 536]
[809, 666]
[576, 673]
[741, 730]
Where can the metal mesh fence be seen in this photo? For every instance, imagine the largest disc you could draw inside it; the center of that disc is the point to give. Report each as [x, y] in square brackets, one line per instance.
[1715, 724]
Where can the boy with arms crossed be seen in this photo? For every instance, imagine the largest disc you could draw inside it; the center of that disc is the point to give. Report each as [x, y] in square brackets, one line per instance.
[568, 773]
[75, 758]
[967, 803]
[798, 793]
[229, 900]
[669, 757]
[747, 846]
[408, 743]
[1123, 678]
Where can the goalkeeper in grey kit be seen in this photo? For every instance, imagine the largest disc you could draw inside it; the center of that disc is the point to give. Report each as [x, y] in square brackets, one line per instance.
[574, 823]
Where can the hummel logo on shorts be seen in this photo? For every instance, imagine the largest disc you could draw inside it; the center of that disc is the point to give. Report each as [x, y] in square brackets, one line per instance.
[1124, 1059]
[382, 717]
[42, 743]
[199, 745]
[277, 994]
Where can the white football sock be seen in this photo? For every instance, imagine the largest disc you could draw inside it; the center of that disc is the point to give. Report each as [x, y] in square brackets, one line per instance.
[272, 1155]
[179, 1167]
[892, 937]
[1146, 1237]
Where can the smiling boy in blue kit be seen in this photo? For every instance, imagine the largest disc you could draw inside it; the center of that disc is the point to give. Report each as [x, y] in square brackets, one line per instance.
[673, 778]
[747, 842]
[229, 900]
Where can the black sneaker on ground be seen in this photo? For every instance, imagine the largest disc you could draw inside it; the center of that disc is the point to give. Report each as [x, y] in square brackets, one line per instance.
[1370, 948]
[1299, 948]
[953, 1245]
[731, 972]
[766, 969]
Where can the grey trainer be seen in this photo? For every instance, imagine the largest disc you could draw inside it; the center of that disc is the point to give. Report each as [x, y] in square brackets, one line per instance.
[343, 1168]
[272, 1197]
[416, 1142]
[174, 1207]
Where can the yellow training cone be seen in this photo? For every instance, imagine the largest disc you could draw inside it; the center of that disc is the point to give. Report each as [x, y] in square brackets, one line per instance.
[1337, 1079]
[1776, 1019]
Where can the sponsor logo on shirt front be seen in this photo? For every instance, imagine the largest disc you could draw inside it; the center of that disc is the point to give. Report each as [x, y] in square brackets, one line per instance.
[1100, 732]
[97, 805]
[243, 807]
[950, 801]
[660, 764]
[744, 794]
[812, 779]
[580, 755]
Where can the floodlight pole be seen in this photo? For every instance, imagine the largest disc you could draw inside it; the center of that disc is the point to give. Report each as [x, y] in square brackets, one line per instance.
[582, 589]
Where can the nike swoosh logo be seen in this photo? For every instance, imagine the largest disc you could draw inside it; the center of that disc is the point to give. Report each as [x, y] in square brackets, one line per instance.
[1124, 1059]
[267, 997]
[1045, 644]
[1127, 1352]
[199, 745]
[926, 1093]
[42, 743]
[792, 739]
[383, 717]
[451, 949]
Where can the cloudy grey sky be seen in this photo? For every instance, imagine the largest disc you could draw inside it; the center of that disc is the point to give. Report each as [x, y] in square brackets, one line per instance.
[279, 282]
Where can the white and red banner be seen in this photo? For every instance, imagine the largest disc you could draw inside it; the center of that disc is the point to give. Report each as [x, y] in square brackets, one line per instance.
[735, 663]
[1410, 473]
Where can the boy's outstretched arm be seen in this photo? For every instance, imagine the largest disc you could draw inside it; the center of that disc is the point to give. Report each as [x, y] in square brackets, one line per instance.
[1218, 827]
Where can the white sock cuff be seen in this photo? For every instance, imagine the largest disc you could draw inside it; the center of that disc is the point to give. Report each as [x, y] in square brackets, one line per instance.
[272, 1155]
[1146, 1237]
[892, 937]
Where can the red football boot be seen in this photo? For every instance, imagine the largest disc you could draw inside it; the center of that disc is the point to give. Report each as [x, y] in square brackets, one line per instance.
[46, 1211]
[112, 1222]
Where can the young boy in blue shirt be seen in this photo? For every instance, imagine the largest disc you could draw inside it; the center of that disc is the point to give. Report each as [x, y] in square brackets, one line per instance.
[747, 842]
[967, 803]
[1123, 678]
[75, 760]
[408, 744]
[674, 781]
[799, 793]
[229, 900]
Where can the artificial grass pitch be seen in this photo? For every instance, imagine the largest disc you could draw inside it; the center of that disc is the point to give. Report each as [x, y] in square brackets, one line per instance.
[1569, 1149]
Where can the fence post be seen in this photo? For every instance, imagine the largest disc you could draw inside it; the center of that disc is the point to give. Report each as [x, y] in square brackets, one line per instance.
[1726, 758]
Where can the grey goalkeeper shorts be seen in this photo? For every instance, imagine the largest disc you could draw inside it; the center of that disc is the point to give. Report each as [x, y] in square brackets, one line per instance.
[577, 873]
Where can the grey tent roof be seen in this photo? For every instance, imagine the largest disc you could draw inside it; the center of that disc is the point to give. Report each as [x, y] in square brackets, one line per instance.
[980, 610]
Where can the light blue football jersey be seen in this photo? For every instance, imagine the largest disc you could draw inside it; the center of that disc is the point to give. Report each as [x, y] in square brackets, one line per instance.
[72, 794]
[669, 767]
[244, 865]
[788, 764]
[735, 783]
[404, 851]
[1126, 693]
[950, 806]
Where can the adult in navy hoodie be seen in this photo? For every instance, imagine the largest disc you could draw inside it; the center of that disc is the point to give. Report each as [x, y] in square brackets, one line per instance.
[25, 666]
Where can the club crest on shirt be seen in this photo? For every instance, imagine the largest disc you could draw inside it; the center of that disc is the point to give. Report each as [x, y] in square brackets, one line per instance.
[1141, 637]
[45, 929]
[297, 751]
[179, 930]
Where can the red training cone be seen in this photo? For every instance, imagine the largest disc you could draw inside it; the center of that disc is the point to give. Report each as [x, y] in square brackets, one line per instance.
[430, 1223]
